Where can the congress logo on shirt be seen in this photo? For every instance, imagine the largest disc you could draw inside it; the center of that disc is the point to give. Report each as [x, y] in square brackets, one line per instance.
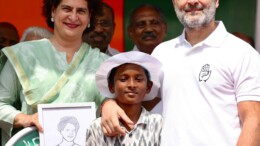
[205, 73]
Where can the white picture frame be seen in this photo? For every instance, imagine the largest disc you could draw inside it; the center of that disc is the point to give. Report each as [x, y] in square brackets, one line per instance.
[53, 118]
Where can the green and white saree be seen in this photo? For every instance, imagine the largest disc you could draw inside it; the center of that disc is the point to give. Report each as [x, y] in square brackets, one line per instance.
[46, 77]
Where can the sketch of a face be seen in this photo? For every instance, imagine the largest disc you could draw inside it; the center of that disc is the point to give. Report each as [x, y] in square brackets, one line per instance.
[69, 132]
[68, 128]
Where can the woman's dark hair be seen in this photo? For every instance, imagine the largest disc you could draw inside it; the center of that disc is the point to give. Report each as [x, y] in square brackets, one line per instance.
[112, 74]
[49, 5]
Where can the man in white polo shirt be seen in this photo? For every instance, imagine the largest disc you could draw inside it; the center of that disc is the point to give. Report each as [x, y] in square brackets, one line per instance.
[211, 84]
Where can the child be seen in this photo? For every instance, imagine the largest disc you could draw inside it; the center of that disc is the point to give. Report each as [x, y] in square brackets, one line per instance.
[130, 78]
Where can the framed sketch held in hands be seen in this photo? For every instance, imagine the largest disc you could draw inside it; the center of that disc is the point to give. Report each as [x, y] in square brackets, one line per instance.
[65, 124]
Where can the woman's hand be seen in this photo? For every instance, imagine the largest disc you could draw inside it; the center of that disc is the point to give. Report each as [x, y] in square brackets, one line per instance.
[111, 113]
[24, 120]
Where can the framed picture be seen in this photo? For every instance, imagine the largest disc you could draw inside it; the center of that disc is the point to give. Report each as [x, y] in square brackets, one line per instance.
[65, 124]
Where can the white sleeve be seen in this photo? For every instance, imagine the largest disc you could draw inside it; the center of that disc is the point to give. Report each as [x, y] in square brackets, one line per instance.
[247, 75]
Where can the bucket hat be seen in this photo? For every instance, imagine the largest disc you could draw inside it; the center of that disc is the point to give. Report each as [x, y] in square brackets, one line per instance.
[151, 64]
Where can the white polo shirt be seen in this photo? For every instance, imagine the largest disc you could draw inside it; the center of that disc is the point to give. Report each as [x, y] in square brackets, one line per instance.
[202, 85]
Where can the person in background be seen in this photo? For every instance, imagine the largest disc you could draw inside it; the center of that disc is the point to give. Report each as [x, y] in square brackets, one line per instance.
[8, 34]
[147, 27]
[104, 26]
[246, 38]
[2, 59]
[129, 78]
[211, 84]
[35, 33]
[60, 69]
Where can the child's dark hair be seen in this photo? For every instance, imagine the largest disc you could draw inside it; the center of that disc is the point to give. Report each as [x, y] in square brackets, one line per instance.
[111, 76]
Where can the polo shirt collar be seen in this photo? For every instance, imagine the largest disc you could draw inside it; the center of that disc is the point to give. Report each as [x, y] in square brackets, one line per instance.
[218, 36]
[215, 39]
[143, 120]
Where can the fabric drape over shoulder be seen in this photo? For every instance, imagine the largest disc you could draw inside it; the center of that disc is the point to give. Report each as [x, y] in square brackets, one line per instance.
[46, 77]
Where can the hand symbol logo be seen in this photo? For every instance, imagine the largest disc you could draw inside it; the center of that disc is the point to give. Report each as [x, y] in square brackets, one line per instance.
[205, 73]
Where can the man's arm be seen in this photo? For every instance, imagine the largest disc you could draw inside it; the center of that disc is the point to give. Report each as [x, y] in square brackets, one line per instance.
[249, 113]
[111, 113]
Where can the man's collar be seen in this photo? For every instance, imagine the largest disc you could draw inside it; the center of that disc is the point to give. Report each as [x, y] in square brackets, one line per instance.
[215, 39]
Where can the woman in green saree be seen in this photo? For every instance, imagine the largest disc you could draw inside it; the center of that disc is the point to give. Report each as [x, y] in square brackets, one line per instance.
[56, 70]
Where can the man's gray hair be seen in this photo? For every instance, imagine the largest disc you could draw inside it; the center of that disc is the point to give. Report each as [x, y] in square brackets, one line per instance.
[40, 32]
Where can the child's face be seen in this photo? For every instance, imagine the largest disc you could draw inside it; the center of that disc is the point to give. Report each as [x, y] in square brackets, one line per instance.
[130, 84]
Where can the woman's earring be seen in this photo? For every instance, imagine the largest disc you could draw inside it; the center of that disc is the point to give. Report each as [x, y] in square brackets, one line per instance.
[52, 19]
[88, 26]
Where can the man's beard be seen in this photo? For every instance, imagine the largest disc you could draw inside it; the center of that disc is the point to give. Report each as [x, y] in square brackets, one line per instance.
[196, 19]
